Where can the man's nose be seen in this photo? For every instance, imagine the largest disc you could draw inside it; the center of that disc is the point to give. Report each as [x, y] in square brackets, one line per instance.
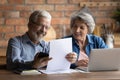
[43, 28]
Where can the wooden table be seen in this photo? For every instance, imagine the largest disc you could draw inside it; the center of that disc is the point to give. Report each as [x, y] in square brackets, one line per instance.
[107, 75]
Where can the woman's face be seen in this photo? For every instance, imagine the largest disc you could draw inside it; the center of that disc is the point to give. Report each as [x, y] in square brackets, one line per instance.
[39, 29]
[79, 30]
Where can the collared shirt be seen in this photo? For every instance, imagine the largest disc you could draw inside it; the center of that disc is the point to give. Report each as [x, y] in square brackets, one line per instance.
[93, 43]
[21, 51]
[83, 56]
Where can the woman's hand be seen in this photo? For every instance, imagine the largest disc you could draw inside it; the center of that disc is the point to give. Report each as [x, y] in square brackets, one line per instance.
[71, 57]
[40, 62]
[83, 63]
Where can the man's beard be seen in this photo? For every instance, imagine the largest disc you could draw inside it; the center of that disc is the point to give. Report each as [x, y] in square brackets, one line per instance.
[37, 35]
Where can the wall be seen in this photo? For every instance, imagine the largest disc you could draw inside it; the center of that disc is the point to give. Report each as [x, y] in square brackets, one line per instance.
[14, 16]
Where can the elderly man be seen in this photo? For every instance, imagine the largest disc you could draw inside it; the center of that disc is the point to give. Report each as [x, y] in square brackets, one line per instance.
[23, 51]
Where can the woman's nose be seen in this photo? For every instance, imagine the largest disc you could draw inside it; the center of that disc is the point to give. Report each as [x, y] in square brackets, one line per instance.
[77, 29]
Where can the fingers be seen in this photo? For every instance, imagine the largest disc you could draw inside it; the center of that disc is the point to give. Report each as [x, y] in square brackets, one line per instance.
[83, 62]
[71, 57]
[36, 57]
[41, 62]
[45, 59]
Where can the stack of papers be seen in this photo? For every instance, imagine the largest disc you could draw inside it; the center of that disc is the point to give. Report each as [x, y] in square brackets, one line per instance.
[59, 71]
[30, 72]
[37, 72]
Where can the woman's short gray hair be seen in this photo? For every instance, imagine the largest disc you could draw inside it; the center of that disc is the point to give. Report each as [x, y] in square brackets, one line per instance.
[39, 13]
[86, 17]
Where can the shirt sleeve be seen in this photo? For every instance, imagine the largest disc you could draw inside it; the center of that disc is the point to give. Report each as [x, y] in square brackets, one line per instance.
[14, 60]
[101, 43]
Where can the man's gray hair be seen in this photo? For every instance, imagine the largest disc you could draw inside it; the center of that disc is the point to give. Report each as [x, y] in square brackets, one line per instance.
[86, 17]
[39, 13]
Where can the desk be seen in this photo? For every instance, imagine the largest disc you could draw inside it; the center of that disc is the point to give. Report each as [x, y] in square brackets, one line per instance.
[7, 75]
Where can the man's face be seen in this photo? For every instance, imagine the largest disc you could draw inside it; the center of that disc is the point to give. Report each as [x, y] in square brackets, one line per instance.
[39, 29]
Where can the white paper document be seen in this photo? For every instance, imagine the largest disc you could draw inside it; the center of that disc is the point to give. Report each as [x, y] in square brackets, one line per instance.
[58, 50]
[30, 72]
[59, 72]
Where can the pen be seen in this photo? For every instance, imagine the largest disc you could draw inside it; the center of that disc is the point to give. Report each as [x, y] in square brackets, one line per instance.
[40, 71]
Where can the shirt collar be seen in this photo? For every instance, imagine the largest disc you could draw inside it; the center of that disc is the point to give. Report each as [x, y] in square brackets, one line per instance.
[90, 40]
[26, 39]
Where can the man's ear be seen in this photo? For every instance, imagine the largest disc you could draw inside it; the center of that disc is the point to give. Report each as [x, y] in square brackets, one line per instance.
[29, 25]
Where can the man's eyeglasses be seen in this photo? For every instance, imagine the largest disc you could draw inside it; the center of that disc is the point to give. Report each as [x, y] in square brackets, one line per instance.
[41, 25]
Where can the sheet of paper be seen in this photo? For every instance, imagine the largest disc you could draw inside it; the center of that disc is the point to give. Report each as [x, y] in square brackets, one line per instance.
[58, 50]
[59, 72]
[30, 72]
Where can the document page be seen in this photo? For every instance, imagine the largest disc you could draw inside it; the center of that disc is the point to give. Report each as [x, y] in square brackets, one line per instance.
[30, 72]
[58, 50]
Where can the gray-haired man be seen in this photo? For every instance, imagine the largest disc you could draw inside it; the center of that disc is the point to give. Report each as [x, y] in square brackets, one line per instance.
[22, 50]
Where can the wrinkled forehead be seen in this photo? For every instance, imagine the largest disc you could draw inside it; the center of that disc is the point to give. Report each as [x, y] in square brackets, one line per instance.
[43, 20]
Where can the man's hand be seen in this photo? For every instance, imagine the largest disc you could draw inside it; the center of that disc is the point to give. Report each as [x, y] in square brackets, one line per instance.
[71, 57]
[40, 62]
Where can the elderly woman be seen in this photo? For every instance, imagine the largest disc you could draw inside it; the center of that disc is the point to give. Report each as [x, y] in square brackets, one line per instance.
[82, 25]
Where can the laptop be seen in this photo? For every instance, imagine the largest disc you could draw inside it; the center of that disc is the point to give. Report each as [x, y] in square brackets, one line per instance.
[103, 60]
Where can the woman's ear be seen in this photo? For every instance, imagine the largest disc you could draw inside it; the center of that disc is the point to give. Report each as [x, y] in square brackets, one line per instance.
[88, 31]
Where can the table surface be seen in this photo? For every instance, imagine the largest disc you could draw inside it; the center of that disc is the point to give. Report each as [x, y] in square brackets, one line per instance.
[104, 75]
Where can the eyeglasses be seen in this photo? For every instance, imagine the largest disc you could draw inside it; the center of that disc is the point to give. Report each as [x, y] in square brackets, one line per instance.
[40, 25]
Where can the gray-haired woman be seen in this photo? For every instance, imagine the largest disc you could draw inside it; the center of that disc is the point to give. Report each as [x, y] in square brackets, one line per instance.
[82, 25]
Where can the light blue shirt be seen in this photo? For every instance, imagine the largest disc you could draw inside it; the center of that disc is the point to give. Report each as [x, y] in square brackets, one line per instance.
[21, 51]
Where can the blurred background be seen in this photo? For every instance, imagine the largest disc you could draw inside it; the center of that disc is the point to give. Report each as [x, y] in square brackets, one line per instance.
[14, 16]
